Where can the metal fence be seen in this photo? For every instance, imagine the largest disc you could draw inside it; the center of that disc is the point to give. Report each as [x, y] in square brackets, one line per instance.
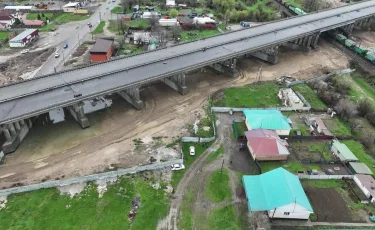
[93, 177]
[325, 177]
[310, 137]
[197, 139]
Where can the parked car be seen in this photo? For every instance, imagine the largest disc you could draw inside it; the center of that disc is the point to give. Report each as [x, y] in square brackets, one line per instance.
[65, 45]
[176, 167]
[192, 150]
[25, 51]
[57, 55]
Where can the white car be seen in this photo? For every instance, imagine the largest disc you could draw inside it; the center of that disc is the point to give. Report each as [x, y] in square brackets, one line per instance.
[57, 55]
[177, 167]
[192, 150]
[25, 51]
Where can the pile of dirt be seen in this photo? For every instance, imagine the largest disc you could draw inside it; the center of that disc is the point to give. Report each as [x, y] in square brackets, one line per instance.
[136, 203]
[12, 69]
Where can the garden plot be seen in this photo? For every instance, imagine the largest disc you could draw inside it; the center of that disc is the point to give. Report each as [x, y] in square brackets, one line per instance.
[313, 150]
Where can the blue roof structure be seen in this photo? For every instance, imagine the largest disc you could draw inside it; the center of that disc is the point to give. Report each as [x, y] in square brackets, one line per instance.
[267, 119]
[274, 189]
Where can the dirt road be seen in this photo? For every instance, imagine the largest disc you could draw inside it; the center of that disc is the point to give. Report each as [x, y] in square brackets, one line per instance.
[64, 150]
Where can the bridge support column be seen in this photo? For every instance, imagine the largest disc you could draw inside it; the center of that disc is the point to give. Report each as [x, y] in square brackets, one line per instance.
[349, 28]
[305, 44]
[365, 23]
[269, 55]
[227, 67]
[132, 96]
[177, 83]
[14, 134]
[77, 112]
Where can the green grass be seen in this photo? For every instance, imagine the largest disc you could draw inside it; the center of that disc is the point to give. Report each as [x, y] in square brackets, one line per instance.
[241, 128]
[360, 153]
[34, 16]
[213, 156]
[322, 183]
[316, 146]
[196, 34]
[204, 122]
[367, 89]
[337, 127]
[47, 28]
[251, 96]
[223, 218]
[186, 211]
[3, 35]
[113, 26]
[310, 96]
[316, 167]
[99, 29]
[142, 23]
[217, 186]
[133, 48]
[70, 17]
[188, 160]
[290, 165]
[295, 3]
[117, 10]
[47, 209]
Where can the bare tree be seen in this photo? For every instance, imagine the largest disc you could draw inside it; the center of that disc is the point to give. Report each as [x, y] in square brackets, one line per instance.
[139, 41]
[154, 21]
[364, 107]
[368, 140]
[159, 34]
[176, 33]
[354, 124]
[121, 26]
[345, 109]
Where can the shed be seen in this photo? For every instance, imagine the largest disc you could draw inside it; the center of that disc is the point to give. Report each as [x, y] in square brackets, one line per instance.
[367, 185]
[268, 119]
[19, 8]
[266, 145]
[278, 192]
[71, 7]
[290, 99]
[341, 151]
[24, 38]
[359, 168]
[102, 50]
[33, 23]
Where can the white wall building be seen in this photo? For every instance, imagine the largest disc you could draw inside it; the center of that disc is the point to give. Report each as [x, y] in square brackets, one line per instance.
[142, 36]
[170, 3]
[367, 185]
[71, 7]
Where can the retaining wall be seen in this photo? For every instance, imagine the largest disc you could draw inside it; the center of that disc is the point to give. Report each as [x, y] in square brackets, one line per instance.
[325, 177]
[93, 177]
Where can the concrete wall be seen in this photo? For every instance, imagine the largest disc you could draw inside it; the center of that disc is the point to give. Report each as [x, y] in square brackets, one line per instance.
[324, 177]
[227, 109]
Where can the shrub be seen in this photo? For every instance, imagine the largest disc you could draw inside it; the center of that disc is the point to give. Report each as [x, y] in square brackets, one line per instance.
[364, 107]
[345, 109]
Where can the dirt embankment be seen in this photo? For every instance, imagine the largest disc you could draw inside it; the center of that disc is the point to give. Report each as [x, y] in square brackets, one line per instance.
[15, 69]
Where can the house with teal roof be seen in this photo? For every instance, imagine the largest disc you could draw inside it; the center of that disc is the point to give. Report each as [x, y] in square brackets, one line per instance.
[268, 119]
[278, 192]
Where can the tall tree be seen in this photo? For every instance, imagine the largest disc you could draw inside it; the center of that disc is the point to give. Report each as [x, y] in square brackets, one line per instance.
[173, 13]
[225, 7]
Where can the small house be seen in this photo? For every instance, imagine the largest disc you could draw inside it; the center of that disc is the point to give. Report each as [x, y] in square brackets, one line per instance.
[317, 124]
[290, 99]
[33, 23]
[367, 185]
[268, 119]
[8, 18]
[278, 192]
[141, 37]
[102, 50]
[170, 3]
[342, 152]
[266, 145]
[359, 168]
[71, 7]
[26, 37]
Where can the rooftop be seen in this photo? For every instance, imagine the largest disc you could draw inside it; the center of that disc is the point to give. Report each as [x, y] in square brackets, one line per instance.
[360, 168]
[71, 4]
[18, 7]
[267, 119]
[33, 22]
[274, 189]
[266, 142]
[344, 151]
[22, 35]
[368, 182]
[101, 46]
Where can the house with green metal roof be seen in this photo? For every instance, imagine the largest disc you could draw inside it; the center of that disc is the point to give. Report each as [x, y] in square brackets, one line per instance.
[342, 152]
[268, 119]
[278, 192]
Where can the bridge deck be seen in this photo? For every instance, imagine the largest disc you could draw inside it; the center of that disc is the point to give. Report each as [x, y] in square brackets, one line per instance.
[59, 89]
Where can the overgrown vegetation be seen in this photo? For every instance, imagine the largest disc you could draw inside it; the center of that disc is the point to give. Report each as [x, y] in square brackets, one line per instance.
[360, 153]
[261, 95]
[197, 34]
[310, 96]
[47, 209]
[290, 165]
[223, 218]
[99, 29]
[217, 186]
[69, 17]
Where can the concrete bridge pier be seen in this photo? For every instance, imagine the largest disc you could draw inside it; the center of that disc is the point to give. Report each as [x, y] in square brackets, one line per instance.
[305, 44]
[348, 28]
[269, 55]
[78, 113]
[227, 67]
[132, 96]
[14, 134]
[177, 83]
[365, 23]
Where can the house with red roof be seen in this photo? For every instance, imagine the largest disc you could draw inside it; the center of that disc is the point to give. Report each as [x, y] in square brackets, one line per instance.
[33, 23]
[266, 145]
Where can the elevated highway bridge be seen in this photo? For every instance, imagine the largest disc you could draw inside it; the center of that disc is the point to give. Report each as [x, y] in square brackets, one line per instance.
[69, 89]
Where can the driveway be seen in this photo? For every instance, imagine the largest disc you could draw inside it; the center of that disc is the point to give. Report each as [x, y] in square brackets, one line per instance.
[73, 34]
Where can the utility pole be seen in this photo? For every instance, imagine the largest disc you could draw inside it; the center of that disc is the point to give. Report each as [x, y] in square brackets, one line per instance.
[78, 40]
[260, 74]
[100, 16]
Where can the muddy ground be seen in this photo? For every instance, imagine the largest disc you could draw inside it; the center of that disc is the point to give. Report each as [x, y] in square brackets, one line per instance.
[17, 68]
[328, 205]
[65, 149]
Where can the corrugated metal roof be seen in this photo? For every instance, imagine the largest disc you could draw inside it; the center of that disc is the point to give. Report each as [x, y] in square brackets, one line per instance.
[101, 46]
[344, 151]
[368, 182]
[274, 189]
[265, 142]
[360, 168]
[267, 119]
[22, 35]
